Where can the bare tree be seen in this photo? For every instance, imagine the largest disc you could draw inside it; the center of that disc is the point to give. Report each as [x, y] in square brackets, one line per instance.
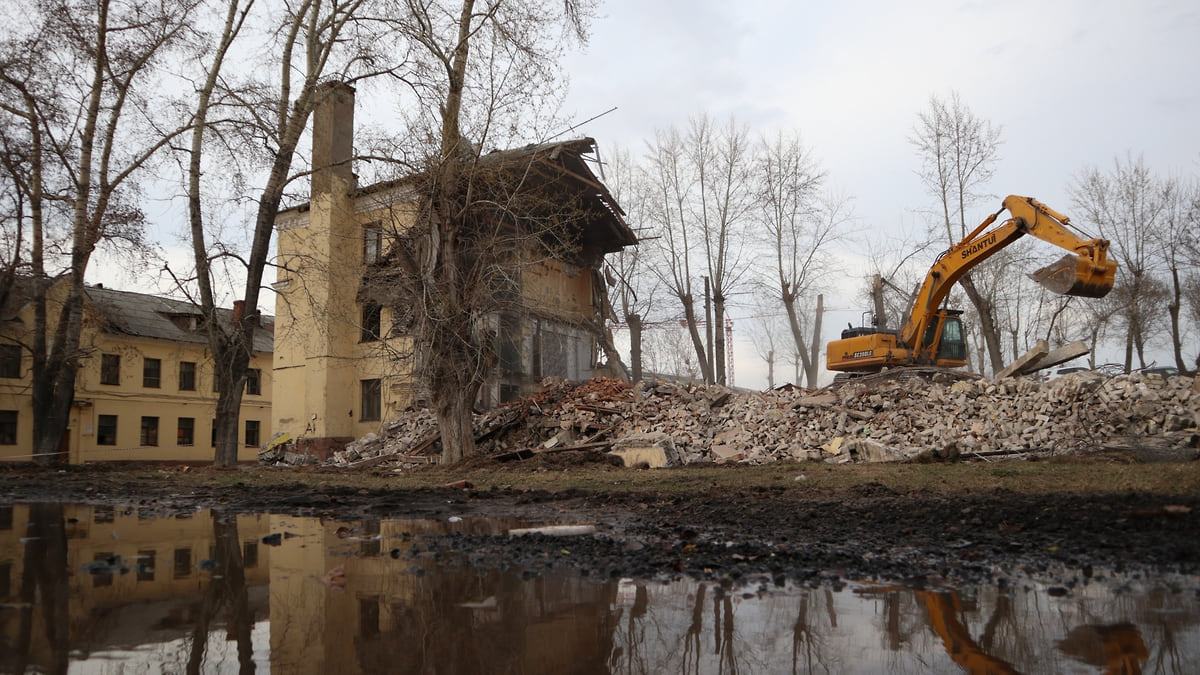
[722, 161]
[317, 40]
[958, 152]
[801, 226]
[478, 61]
[671, 188]
[80, 79]
[1130, 207]
[633, 284]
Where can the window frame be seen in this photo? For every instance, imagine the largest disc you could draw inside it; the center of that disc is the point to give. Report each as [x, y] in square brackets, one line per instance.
[9, 421]
[371, 323]
[151, 373]
[372, 242]
[370, 400]
[149, 432]
[257, 426]
[187, 383]
[101, 427]
[254, 381]
[10, 361]
[110, 369]
[188, 439]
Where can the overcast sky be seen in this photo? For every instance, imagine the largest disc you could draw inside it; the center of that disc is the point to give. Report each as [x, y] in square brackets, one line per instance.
[1072, 84]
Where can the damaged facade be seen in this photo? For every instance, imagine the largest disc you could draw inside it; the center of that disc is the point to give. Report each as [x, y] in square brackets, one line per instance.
[345, 356]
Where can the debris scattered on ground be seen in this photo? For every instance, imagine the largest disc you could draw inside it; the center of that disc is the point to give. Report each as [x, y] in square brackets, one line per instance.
[896, 415]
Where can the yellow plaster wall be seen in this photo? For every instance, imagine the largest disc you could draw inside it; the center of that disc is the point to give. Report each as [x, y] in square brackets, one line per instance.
[130, 401]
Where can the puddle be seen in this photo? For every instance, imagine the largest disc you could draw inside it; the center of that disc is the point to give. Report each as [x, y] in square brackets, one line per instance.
[102, 590]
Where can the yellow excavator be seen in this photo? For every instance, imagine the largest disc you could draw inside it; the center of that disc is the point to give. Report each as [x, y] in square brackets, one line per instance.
[932, 335]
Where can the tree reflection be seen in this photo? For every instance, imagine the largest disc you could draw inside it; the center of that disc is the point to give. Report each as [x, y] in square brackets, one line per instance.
[226, 590]
[44, 588]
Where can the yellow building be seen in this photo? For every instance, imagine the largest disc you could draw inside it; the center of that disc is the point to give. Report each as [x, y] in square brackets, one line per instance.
[344, 357]
[145, 389]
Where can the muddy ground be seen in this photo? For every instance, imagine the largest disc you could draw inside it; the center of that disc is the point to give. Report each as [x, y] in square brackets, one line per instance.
[1058, 523]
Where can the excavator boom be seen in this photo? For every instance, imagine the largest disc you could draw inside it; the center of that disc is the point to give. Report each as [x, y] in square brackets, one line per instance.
[1085, 271]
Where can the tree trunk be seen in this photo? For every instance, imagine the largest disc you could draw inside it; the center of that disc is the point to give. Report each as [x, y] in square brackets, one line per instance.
[634, 321]
[689, 315]
[987, 324]
[1173, 310]
[815, 345]
[454, 422]
[719, 346]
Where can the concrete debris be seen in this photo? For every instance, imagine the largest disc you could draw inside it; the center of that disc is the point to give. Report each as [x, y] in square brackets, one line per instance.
[895, 416]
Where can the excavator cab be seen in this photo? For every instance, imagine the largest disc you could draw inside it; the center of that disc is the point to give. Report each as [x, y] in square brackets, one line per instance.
[944, 340]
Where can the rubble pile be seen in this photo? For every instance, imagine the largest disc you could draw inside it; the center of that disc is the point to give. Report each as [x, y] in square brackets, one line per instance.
[885, 417]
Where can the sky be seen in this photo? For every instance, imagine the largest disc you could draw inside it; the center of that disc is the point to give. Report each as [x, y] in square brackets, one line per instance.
[1071, 84]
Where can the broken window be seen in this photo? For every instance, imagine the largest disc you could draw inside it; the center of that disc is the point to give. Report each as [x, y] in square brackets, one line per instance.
[508, 346]
[372, 321]
[372, 400]
[372, 242]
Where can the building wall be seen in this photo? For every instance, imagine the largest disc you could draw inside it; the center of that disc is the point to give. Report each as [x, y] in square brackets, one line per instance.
[130, 400]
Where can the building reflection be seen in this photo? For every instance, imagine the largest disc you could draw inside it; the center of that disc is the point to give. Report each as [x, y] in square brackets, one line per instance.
[216, 592]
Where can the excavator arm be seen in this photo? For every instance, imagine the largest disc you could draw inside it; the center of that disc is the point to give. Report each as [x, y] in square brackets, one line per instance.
[1085, 271]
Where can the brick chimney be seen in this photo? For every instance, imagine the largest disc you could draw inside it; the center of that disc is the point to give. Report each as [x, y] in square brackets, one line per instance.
[333, 137]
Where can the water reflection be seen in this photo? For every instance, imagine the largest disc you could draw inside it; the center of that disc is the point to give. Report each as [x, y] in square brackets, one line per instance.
[108, 590]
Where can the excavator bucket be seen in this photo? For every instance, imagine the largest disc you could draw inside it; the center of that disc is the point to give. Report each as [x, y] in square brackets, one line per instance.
[1076, 275]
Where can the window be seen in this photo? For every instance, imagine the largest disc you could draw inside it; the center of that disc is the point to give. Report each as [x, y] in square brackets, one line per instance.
[106, 430]
[149, 431]
[372, 242]
[102, 574]
[249, 554]
[216, 380]
[10, 360]
[110, 369]
[186, 431]
[254, 381]
[151, 373]
[187, 376]
[213, 436]
[372, 321]
[183, 562]
[8, 427]
[372, 400]
[252, 432]
[145, 565]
